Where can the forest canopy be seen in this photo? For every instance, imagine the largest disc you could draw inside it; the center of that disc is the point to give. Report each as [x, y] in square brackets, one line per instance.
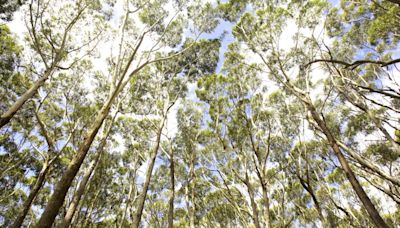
[199, 113]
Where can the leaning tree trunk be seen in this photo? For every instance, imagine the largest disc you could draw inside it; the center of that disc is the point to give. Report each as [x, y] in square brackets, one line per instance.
[57, 199]
[81, 189]
[32, 195]
[307, 186]
[142, 198]
[82, 185]
[88, 213]
[366, 201]
[192, 211]
[6, 117]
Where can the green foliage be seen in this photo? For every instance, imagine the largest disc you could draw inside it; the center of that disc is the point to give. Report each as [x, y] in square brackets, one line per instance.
[251, 138]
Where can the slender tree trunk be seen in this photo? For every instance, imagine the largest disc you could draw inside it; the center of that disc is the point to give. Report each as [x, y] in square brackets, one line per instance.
[6, 117]
[253, 204]
[266, 205]
[77, 216]
[132, 191]
[191, 186]
[142, 197]
[310, 190]
[192, 207]
[187, 200]
[172, 197]
[260, 168]
[126, 205]
[89, 211]
[32, 195]
[369, 206]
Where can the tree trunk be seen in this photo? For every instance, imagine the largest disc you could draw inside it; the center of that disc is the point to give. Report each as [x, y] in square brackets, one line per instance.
[172, 197]
[192, 207]
[81, 189]
[260, 169]
[253, 204]
[89, 211]
[126, 206]
[57, 199]
[266, 205]
[6, 117]
[307, 186]
[141, 199]
[191, 186]
[369, 206]
[32, 195]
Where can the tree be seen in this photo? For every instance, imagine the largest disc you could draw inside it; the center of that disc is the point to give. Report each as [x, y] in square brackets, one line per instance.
[52, 47]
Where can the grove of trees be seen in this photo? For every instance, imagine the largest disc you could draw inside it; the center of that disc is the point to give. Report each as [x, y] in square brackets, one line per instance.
[200, 113]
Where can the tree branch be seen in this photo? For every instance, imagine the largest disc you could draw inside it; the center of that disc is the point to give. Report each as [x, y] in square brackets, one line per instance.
[354, 64]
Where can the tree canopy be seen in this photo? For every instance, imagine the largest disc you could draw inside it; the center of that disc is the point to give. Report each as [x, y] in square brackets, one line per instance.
[200, 113]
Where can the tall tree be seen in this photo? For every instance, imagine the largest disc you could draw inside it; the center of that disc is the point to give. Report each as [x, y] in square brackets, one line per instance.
[52, 49]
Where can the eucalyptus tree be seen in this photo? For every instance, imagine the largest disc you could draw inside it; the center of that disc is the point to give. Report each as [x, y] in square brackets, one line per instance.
[89, 172]
[189, 123]
[137, 143]
[255, 32]
[54, 43]
[13, 83]
[361, 63]
[14, 154]
[122, 72]
[51, 137]
[362, 71]
[172, 77]
[171, 199]
[245, 128]
[97, 206]
[169, 90]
